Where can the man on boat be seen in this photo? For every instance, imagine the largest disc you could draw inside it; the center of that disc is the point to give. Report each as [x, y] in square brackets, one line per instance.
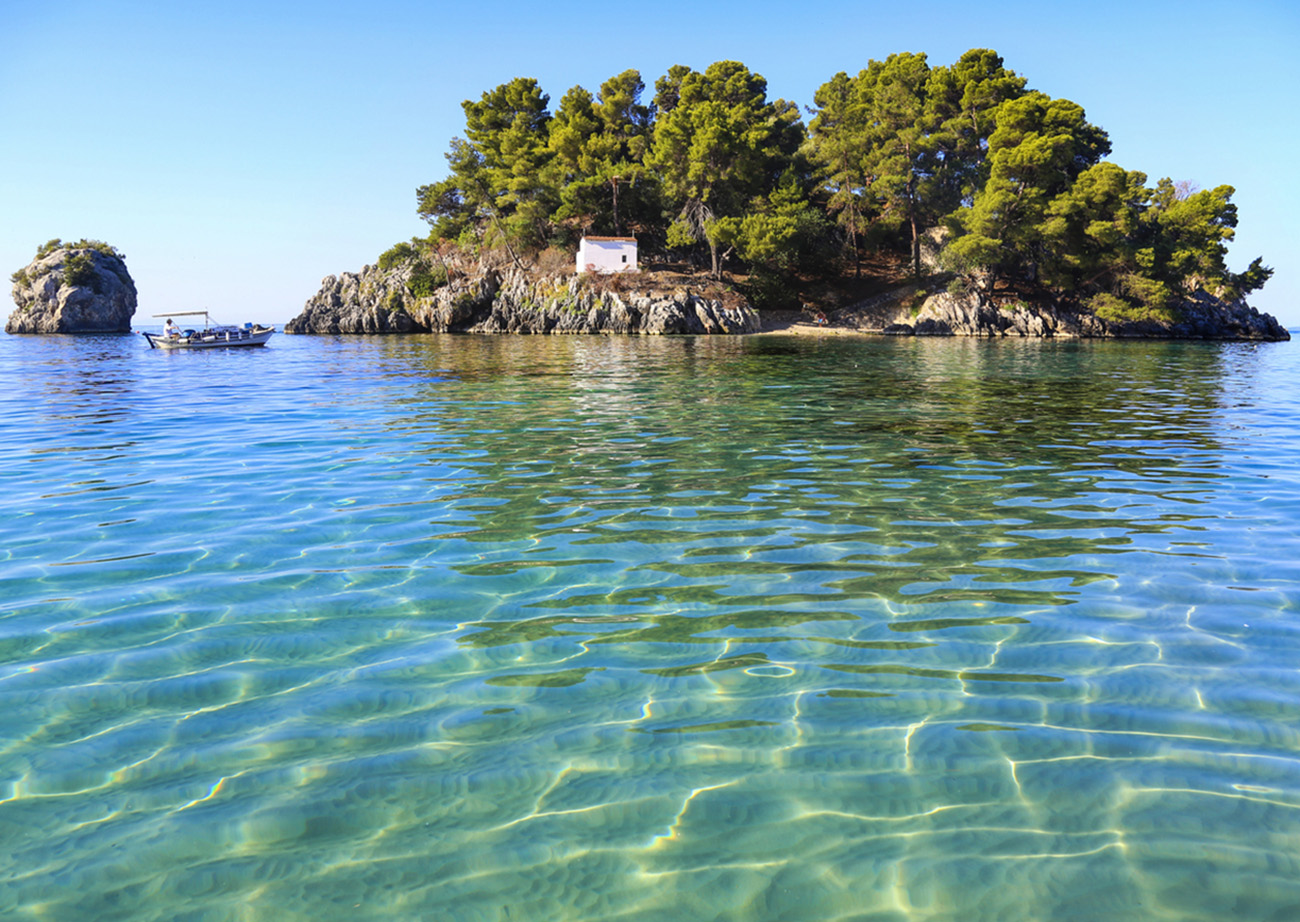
[171, 330]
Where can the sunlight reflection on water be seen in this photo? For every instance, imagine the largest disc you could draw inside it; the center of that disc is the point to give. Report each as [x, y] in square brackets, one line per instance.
[596, 628]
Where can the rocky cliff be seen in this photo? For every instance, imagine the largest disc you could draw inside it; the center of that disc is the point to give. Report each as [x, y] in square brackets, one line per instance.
[1200, 316]
[73, 288]
[510, 300]
[415, 296]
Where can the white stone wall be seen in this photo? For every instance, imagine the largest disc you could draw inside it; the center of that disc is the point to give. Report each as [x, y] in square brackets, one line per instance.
[607, 254]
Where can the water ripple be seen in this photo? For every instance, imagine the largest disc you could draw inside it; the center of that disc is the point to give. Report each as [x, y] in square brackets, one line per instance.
[598, 628]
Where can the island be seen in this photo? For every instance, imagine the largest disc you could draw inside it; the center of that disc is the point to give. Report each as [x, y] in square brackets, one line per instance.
[917, 199]
[80, 287]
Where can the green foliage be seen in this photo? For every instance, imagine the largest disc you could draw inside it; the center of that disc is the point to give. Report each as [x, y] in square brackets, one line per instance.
[1256, 274]
[836, 150]
[446, 205]
[1108, 306]
[681, 235]
[1052, 210]
[1191, 232]
[497, 188]
[718, 144]
[50, 246]
[1038, 149]
[399, 253]
[424, 278]
[1094, 229]
[897, 147]
[972, 253]
[769, 290]
[1115, 309]
[902, 144]
[782, 233]
[1110, 234]
[600, 145]
[1151, 294]
[961, 104]
[711, 168]
[426, 281]
[79, 271]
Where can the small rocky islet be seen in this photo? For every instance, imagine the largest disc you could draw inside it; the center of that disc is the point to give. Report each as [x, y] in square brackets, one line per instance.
[81, 287]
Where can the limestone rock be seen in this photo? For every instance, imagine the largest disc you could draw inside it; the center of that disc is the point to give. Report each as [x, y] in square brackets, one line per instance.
[73, 288]
[1201, 316]
[973, 313]
[932, 245]
[511, 300]
[356, 302]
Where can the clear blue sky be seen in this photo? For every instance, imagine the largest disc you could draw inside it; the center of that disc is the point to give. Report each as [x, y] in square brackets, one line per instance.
[238, 152]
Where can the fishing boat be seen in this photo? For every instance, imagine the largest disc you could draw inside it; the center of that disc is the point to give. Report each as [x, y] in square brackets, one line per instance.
[212, 336]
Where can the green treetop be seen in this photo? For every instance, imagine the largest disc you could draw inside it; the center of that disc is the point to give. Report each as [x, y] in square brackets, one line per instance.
[600, 146]
[1039, 147]
[837, 143]
[718, 143]
[961, 102]
[897, 146]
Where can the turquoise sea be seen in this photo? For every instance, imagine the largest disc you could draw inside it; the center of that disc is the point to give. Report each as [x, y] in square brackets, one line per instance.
[599, 628]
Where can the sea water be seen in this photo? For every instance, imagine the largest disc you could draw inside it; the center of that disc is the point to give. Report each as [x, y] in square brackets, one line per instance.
[601, 628]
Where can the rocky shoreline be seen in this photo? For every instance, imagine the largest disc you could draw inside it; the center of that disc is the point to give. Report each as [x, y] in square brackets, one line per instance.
[513, 300]
[1200, 316]
[85, 288]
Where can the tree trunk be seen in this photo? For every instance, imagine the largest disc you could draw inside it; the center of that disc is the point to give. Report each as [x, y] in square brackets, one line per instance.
[614, 181]
[916, 249]
[911, 215]
[492, 214]
[853, 241]
[916, 237]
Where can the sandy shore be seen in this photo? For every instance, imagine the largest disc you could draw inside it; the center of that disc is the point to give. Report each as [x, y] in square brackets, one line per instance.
[797, 323]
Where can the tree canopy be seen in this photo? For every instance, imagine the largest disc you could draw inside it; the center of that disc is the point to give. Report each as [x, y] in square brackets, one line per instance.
[711, 170]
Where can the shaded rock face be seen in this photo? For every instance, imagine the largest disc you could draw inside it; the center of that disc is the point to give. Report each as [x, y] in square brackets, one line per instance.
[1202, 316]
[369, 301]
[970, 315]
[54, 295]
[509, 301]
